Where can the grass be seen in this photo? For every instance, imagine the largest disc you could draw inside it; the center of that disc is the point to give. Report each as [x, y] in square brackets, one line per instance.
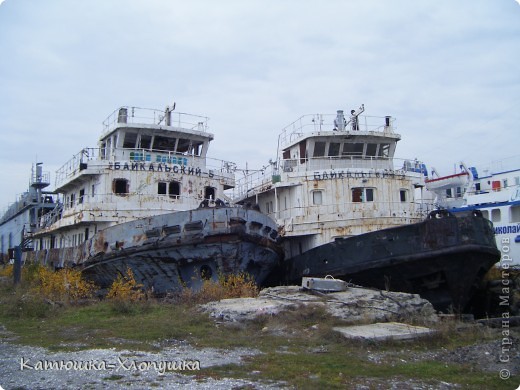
[297, 346]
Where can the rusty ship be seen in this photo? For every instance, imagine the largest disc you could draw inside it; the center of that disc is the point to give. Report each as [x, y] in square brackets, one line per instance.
[148, 198]
[346, 207]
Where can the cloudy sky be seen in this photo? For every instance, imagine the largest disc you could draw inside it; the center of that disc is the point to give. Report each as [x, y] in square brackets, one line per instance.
[449, 71]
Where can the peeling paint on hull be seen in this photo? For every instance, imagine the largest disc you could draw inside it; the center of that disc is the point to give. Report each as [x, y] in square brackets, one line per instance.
[169, 251]
[442, 259]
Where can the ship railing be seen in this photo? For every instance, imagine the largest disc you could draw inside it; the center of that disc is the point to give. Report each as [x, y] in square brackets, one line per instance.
[40, 179]
[52, 216]
[254, 181]
[150, 116]
[75, 164]
[26, 199]
[14, 208]
[325, 122]
[130, 202]
[80, 160]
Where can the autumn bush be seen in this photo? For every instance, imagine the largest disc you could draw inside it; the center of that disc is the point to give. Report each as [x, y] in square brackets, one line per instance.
[125, 288]
[7, 270]
[240, 285]
[65, 285]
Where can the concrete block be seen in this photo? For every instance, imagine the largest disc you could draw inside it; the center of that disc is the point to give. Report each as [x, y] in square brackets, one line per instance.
[384, 331]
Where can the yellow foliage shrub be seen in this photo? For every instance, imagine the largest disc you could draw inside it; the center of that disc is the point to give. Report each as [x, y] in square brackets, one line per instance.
[126, 289]
[63, 285]
[239, 285]
[7, 270]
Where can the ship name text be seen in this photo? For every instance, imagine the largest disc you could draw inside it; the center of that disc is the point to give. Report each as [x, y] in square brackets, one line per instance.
[398, 174]
[159, 167]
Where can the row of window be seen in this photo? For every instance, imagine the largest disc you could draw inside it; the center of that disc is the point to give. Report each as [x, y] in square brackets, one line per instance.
[172, 189]
[358, 195]
[496, 215]
[157, 142]
[332, 149]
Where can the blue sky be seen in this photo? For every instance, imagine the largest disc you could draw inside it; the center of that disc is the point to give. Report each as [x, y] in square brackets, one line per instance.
[449, 71]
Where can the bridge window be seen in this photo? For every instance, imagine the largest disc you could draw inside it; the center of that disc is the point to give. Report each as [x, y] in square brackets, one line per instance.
[384, 150]
[120, 186]
[146, 141]
[130, 140]
[353, 149]
[319, 149]
[184, 146]
[371, 150]
[334, 149]
[164, 143]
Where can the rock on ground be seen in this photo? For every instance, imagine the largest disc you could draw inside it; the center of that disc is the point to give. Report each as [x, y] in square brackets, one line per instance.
[354, 305]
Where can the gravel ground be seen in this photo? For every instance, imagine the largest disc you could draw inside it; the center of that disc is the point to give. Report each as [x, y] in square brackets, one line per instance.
[21, 367]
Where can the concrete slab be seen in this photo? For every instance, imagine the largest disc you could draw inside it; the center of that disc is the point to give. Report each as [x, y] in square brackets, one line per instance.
[384, 331]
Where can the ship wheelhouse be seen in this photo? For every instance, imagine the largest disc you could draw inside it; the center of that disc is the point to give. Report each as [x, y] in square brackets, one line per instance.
[333, 181]
[147, 162]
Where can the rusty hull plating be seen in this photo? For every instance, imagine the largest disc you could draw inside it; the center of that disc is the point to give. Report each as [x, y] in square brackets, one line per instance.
[169, 251]
[442, 258]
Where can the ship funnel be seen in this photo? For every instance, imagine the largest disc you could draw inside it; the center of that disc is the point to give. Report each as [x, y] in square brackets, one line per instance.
[122, 115]
[339, 122]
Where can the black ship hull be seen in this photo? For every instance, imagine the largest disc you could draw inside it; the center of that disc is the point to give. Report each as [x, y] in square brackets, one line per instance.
[443, 259]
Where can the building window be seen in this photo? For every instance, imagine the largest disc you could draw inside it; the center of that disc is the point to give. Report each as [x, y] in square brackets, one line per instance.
[495, 215]
[120, 186]
[361, 195]
[403, 195]
[317, 197]
[485, 214]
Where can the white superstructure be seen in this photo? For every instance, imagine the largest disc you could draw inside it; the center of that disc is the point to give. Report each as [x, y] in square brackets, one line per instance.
[494, 190]
[147, 162]
[335, 178]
